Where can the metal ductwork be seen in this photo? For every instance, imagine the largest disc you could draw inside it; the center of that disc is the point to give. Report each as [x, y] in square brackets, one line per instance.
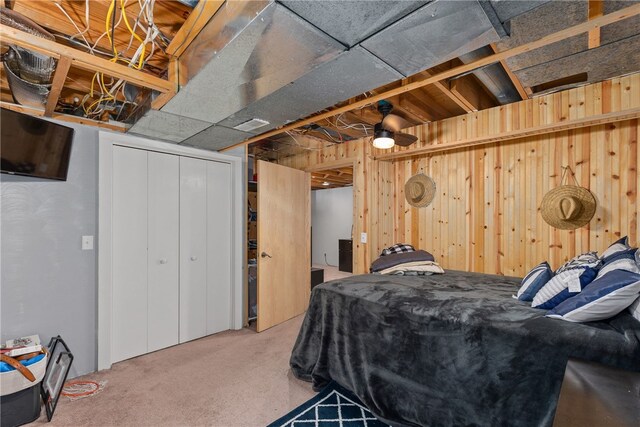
[258, 65]
[29, 73]
[493, 77]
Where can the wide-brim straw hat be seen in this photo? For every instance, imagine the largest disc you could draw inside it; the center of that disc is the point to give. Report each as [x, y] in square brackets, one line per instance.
[568, 207]
[420, 190]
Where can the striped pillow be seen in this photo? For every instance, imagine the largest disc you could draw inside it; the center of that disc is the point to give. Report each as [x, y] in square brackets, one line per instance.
[617, 246]
[534, 280]
[603, 298]
[563, 286]
[589, 259]
[623, 260]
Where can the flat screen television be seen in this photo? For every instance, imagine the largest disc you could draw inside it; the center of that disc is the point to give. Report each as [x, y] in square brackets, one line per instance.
[34, 147]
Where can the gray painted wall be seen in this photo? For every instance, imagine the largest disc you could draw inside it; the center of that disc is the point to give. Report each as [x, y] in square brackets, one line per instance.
[48, 284]
[331, 219]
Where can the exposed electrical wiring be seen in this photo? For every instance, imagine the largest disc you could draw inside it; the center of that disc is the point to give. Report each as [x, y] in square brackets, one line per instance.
[79, 32]
[299, 145]
[87, 20]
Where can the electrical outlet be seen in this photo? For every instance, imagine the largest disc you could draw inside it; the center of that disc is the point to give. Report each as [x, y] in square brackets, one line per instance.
[363, 237]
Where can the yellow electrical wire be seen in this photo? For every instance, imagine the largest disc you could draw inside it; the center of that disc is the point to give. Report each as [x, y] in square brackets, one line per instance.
[137, 37]
[105, 95]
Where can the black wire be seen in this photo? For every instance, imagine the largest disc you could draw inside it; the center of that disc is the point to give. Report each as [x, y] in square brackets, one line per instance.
[113, 27]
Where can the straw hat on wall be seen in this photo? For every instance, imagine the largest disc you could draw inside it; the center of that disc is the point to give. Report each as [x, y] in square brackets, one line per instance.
[420, 190]
[568, 207]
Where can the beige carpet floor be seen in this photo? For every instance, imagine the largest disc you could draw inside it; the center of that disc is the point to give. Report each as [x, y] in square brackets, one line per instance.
[235, 378]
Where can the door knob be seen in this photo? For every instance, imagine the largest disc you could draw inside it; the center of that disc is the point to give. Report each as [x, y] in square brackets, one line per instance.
[265, 255]
[194, 258]
[163, 261]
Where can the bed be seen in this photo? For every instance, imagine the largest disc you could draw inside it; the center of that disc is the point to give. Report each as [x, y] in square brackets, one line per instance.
[449, 350]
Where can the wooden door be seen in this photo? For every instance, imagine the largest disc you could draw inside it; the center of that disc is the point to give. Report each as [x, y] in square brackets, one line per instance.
[193, 248]
[163, 223]
[129, 303]
[284, 251]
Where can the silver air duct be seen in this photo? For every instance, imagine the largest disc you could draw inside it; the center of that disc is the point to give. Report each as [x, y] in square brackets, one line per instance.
[29, 73]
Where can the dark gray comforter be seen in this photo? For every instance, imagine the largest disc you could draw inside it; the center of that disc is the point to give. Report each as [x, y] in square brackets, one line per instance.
[452, 349]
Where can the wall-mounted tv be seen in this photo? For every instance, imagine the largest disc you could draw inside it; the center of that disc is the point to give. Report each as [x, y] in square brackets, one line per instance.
[34, 147]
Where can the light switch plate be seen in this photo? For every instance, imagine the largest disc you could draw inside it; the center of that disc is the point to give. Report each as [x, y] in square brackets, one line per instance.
[363, 237]
[87, 243]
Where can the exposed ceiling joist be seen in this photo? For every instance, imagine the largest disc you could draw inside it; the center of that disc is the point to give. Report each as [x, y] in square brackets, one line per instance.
[83, 60]
[59, 77]
[596, 9]
[472, 93]
[444, 89]
[202, 13]
[455, 71]
[514, 79]
[63, 117]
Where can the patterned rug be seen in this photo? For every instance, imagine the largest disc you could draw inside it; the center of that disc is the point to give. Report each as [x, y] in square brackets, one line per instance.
[334, 406]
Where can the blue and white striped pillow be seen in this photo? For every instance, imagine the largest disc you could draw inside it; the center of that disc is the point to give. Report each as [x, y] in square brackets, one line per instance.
[563, 286]
[589, 259]
[622, 260]
[617, 246]
[534, 281]
[603, 298]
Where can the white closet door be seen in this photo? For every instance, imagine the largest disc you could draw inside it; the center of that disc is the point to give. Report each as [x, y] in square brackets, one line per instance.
[193, 248]
[218, 247]
[164, 210]
[129, 222]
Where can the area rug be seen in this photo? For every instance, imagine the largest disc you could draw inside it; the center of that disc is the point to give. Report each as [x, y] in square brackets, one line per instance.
[333, 406]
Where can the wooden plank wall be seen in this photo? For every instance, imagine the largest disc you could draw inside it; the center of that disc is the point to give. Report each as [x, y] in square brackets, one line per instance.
[485, 216]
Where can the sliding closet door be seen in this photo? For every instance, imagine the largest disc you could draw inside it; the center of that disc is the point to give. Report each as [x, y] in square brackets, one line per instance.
[129, 222]
[193, 248]
[163, 262]
[218, 247]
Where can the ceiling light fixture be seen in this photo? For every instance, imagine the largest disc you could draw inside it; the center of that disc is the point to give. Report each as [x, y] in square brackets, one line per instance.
[326, 184]
[383, 138]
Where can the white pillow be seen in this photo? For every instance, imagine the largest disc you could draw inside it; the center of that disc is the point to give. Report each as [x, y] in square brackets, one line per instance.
[601, 299]
[563, 286]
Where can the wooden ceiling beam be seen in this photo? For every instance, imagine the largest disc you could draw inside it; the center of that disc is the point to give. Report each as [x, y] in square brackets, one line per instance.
[442, 87]
[597, 120]
[336, 178]
[59, 77]
[410, 110]
[83, 60]
[514, 79]
[173, 73]
[62, 117]
[472, 93]
[199, 17]
[581, 28]
[596, 9]
[417, 103]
